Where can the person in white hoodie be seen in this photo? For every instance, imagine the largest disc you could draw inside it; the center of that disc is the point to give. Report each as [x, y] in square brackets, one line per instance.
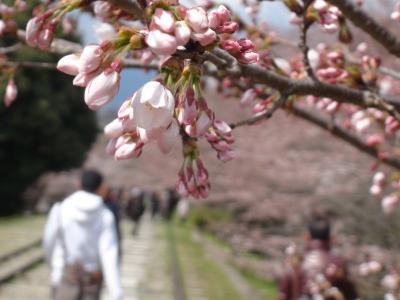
[80, 244]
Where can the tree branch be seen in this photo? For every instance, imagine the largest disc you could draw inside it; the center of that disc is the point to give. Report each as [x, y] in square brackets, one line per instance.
[343, 134]
[369, 25]
[281, 83]
[304, 27]
[326, 124]
[265, 115]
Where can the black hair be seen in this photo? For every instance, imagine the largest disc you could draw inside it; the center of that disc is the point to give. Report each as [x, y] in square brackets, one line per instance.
[91, 180]
[319, 228]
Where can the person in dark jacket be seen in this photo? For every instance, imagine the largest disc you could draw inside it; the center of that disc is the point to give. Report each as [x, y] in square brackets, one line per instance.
[319, 271]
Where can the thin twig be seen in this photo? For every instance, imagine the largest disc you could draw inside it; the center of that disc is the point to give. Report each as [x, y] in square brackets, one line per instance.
[263, 116]
[360, 19]
[304, 27]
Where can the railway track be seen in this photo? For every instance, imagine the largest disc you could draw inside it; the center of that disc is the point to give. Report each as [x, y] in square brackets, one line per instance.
[20, 260]
[24, 276]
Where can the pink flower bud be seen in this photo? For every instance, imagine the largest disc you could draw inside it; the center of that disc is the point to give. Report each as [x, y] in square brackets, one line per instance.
[21, 5]
[389, 203]
[197, 19]
[168, 138]
[161, 43]
[164, 20]
[375, 190]
[205, 38]
[246, 45]
[221, 146]
[110, 148]
[90, 59]
[45, 38]
[231, 46]
[118, 127]
[11, 93]
[395, 15]
[204, 122]
[83, 80]
[69, 64]
[126, 110]
[68, 25]
[102, 89]
[249, 58]
[248, 97]
[204, 191]
[222, 127]
[102, 9]
[379, 178]
[226, 155]
[229, 27]
[33, 28]
[128, 150]
[375, 139]
[182, 33]
[201, 174]
[181, 187]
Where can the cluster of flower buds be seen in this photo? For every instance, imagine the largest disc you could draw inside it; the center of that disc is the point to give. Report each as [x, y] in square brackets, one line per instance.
[327, 15]
[370, 267]
[40, 30]
[7, 13]
[242, 49]
[170, 28]
[220, 138]
[193, 114]
[147, 116]
[11, 93]
[94, 71]
[193, 176]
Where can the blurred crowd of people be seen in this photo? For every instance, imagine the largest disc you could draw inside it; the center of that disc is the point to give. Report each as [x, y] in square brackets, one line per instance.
[82, 237]
[82, 243]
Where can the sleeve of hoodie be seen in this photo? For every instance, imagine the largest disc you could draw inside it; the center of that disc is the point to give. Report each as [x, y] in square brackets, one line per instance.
[108, 247]
[51, 232]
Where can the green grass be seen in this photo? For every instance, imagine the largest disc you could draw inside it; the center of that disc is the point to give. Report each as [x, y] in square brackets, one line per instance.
[200, 217]
[267, 289]
[22, 220]
[200, 269]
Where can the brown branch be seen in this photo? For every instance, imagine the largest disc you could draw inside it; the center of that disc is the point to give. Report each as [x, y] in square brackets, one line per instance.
[9, 49]
[59, 46]
[127, 63]
[369, 25]
[304, 27]
[263, 116]
[31, 64]
[327, 124]
[281, 83]
[343, 134]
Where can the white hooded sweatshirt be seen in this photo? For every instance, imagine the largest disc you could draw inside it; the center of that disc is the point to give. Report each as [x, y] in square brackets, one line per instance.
[88, 234]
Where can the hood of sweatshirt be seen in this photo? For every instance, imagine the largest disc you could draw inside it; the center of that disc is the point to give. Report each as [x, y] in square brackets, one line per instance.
[82, 206]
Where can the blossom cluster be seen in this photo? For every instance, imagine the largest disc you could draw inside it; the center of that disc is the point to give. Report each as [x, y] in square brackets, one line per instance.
[168, 108]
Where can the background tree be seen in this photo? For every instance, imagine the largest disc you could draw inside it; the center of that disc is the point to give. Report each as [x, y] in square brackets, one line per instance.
[48, 129]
